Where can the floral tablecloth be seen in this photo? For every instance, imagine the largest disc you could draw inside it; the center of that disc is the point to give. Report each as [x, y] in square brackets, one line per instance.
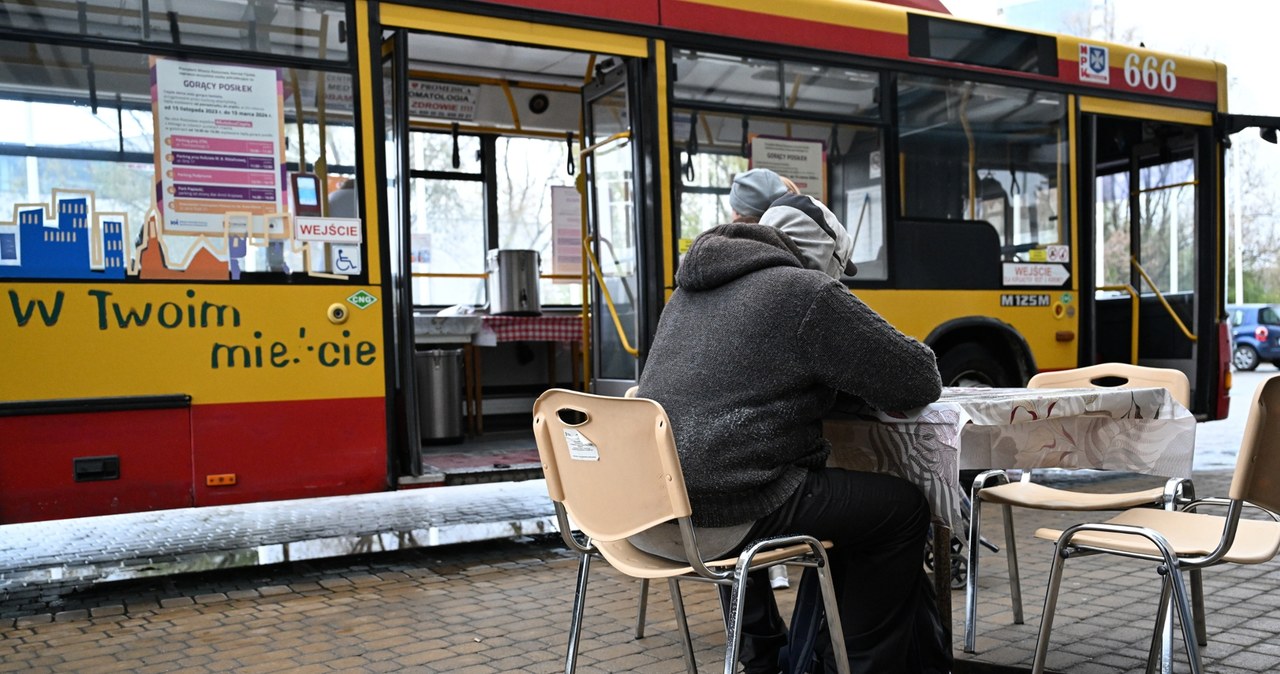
[1136, 430]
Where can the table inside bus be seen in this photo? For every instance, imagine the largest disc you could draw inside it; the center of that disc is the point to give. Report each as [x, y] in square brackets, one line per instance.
[1139, 430]
[550, 328]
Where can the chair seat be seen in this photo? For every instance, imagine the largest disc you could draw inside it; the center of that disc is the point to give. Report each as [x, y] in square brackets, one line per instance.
[1190, 534]
[633, 561]
[1040, 497]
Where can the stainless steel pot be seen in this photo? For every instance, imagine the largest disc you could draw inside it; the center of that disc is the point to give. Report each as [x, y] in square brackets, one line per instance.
[513, 282]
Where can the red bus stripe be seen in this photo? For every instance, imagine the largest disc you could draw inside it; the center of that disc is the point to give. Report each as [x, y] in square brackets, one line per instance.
[780, 29]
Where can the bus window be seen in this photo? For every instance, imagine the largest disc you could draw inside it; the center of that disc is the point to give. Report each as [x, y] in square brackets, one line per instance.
[704, 189]
[446, 220]
[737, 113]
[765, 84]
[90, 147]
[485, 173]
[987, 153]
[726, 80]
[528, 170]
[1159, 230]
[1167, 224]
[310, 29]
[840, 164]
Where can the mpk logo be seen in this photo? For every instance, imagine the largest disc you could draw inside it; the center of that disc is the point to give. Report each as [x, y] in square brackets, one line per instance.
[1095, 64]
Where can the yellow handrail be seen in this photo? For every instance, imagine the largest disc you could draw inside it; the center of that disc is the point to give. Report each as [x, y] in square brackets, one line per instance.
[1160, 296]
[1133, 301]
[608, 300]
[595, 266]
[442, 274]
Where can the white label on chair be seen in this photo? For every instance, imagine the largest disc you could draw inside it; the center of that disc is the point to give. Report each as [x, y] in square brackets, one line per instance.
[580, 448]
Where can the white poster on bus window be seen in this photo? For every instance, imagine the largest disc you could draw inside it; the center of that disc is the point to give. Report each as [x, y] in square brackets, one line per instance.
[566, 232]
[443, 100]
[219, 143]
[803, 161]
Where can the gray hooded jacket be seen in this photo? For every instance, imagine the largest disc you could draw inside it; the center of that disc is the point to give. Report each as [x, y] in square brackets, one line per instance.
[748, 357]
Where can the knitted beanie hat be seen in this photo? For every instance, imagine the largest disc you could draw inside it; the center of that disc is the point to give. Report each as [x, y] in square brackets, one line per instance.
[752, 192]
[826, 245]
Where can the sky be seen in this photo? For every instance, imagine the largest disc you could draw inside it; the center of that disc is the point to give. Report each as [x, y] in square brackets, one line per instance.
[1239, 33]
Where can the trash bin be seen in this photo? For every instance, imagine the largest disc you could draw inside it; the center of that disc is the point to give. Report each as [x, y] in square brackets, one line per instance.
[439, 373]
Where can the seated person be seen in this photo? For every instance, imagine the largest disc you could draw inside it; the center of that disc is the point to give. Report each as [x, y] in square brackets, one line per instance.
[752, 192]
[750, 353]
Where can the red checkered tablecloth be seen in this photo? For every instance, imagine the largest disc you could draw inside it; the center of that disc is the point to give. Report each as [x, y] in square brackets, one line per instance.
[535, 328]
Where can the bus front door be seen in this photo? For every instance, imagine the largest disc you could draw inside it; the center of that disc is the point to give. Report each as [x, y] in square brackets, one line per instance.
[1152, 241]
[614, 257]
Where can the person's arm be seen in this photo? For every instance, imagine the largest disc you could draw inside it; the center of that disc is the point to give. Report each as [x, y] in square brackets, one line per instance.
[854, 350]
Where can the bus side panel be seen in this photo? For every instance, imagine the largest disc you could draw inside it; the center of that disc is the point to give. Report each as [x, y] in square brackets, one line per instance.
[38, 453]
[289, 449]
[859, 28]
[635, 11]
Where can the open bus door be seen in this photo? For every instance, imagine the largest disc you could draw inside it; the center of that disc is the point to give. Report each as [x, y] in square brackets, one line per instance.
[403, 387]
[1149, 223]
[613, 242]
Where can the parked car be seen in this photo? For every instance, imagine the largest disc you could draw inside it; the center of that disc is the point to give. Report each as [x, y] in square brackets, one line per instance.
[1255, 331]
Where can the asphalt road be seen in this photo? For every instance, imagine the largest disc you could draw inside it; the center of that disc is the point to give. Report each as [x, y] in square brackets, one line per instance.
[1218, 441]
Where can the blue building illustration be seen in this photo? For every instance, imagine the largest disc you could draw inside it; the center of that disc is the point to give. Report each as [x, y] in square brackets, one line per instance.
[76, 245]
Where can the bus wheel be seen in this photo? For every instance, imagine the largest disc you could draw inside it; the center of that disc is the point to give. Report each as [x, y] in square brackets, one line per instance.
[971, 365]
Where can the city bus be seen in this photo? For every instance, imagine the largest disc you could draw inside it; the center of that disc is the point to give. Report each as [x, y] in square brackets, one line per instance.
[254, 250]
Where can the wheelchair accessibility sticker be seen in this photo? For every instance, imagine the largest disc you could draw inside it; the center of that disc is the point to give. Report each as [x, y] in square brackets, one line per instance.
[344, 259]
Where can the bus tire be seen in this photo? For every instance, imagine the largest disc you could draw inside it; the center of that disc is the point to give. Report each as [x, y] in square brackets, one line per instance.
[971, 364]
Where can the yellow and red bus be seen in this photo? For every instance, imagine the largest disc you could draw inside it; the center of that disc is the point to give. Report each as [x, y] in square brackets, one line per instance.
[234, 234]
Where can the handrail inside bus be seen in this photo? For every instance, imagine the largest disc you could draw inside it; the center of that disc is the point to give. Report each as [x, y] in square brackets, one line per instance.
[1133, 301]
[1160, 296]
[595, 266]
[608, 300]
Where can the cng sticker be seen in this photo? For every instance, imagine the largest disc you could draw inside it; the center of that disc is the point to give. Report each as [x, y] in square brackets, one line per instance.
[362, 299]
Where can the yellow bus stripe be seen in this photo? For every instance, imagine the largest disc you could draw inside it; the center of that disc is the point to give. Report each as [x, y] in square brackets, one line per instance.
[1163, 113]
[509, 30]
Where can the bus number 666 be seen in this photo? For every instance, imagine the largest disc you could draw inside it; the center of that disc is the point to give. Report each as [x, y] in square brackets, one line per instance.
[1152, 73]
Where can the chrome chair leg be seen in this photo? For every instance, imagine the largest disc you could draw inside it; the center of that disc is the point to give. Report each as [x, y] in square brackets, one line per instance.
[642, 608]
[575, 623]
[682, 621]
[1050, 603]
[971, 581]
[975, 541]
[1197, 605]
[1162, 636]
[835, 628]
[1011, 553]
[733, 617]
[1184, 613]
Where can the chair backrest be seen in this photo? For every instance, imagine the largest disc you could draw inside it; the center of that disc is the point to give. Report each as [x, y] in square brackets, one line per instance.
[1118, 375]
[610, 462]
[1257, 476]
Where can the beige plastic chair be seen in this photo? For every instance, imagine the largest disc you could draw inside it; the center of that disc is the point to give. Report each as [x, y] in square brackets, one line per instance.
[1027, 494]
[1186, 540]
[612, 471]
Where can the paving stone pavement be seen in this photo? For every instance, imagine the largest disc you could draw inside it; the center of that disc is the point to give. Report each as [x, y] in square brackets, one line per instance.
[503, 606]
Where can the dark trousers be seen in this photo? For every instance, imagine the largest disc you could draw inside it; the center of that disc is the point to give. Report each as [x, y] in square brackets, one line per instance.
[879, 524]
